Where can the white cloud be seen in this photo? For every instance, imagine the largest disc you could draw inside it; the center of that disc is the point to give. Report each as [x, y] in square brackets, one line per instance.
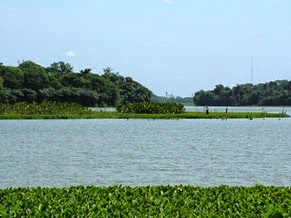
[71, 54]
[168, 1]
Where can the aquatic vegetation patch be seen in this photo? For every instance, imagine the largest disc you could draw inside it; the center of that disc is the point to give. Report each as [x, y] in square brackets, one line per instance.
[146, 201]
[24, 108]
[45, 110]
[52, 110]
[151, 108]
[202, 115]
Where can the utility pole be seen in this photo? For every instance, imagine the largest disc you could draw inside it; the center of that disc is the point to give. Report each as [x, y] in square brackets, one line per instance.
[252, 69]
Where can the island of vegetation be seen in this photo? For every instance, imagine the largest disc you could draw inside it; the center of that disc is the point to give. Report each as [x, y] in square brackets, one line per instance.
[31, 91]
[144, 110]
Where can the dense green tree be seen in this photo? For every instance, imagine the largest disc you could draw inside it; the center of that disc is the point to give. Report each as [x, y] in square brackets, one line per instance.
[225, 97]
[59, 68]
[36, 81]
[30, 95]
[47, 94]
[111, 76]
[217, 89]
[35, 76]
[2, 90]
[204, 98]
[86, 71]
[29, 66]
[54, 82]
[31, 82]
[272, 93]
[109, 93]
[13, 77]
[1, 82]
[129, 90]
[75, 80]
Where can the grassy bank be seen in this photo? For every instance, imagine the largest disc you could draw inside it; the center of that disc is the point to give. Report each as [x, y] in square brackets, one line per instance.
[49, 110]
[155, 201]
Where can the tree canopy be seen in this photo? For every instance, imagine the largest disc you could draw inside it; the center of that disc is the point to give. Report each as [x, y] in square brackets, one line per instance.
[274, 93]
[31, 82]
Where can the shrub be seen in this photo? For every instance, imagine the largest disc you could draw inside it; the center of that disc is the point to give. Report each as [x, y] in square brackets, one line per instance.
[151, 108]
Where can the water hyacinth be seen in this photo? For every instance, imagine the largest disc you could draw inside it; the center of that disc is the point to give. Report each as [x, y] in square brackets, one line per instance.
[53, 110]
[151, 108]
[147, 201]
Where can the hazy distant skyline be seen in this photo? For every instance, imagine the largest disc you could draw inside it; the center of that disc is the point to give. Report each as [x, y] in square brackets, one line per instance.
[174, 46]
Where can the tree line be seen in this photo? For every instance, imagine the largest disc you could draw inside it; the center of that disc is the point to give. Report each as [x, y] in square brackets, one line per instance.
[31, 82]
[274, 93]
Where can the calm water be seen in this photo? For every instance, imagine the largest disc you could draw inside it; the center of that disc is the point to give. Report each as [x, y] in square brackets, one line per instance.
[141, 152]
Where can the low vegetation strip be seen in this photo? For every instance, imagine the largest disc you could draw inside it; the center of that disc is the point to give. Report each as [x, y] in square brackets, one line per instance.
[146, 201]
[49, 110]
[151, 108]
[115, 115]
[202, 115]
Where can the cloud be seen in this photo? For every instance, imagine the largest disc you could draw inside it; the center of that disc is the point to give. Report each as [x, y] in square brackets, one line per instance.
[168, 1]
[71, 54]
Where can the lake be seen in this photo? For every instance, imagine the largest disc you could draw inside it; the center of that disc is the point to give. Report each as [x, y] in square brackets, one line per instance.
[58, 153]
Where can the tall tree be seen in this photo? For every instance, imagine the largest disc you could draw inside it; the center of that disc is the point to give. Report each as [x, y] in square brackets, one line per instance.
[13, 77]
[35, 75]
[59, 68]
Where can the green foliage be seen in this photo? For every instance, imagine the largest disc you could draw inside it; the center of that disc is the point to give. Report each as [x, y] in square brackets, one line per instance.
[50, 110]
[35, 77]
[275, 93]
[59, 68]
[13, 77]
[1, 82]
[3, 93]
[43, 110]
[151, 108]
[147, 201]
[202, 115]
[130, 91]
[31, 82]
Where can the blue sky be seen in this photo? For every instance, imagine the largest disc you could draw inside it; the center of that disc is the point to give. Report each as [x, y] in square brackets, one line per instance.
[174, 46]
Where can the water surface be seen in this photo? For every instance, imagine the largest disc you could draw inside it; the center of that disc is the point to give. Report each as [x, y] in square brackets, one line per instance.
[145, 152]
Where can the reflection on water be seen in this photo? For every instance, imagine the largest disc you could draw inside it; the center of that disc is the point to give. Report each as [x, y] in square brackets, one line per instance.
[141, 152]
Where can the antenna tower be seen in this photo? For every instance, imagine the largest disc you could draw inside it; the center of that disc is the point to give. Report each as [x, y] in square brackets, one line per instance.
[252, 69]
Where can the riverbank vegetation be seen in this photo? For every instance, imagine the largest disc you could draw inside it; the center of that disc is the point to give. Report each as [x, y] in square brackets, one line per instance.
[275, 93]
[30, 82]
[50, 110]
[146, 201]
